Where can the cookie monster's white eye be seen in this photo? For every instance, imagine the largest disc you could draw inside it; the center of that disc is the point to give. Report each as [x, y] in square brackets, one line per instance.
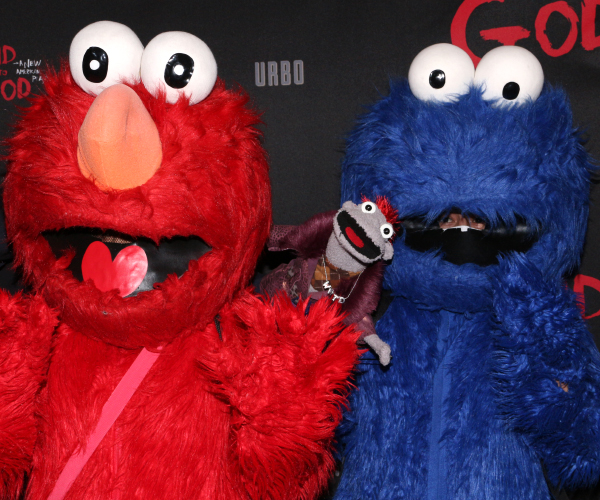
[368, 207]
[510, 74]
[386, 230]
[105, 53]
[440, 73]
[179, 63]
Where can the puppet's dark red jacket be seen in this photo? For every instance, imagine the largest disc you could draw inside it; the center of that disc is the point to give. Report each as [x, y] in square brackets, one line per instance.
[309, 242]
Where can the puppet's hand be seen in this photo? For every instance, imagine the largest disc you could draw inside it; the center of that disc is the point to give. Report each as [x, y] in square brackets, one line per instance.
[547, 371]
[381, 348]
[284, 377]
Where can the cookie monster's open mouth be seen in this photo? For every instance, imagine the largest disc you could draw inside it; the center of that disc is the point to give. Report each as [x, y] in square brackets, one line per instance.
[115, 260]
[356, 236]
[463, 245]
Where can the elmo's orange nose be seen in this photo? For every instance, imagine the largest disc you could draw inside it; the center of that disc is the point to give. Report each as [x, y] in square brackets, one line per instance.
[119, 146]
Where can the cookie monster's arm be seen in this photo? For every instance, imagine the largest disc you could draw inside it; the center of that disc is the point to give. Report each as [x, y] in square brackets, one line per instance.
[284, 376]
[549, 372]
[26, 327]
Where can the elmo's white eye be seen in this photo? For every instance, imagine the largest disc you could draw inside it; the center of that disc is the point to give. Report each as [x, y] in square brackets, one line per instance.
[179, 63]
[386, 230]
[510, 74]
[105, 53]
[440, 73]
[368, 207]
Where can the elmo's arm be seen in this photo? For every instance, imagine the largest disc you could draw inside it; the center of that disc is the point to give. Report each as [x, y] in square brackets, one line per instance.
[26, 327]
[284, 375]
[548, 373]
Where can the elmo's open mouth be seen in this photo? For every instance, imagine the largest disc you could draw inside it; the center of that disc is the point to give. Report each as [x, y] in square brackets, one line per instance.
[171, 256]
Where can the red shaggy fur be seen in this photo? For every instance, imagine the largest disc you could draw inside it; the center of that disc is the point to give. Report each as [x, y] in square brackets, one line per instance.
[213, 183]
[250, 415]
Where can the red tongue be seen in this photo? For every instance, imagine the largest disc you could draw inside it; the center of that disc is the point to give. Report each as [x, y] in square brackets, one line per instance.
[353, 237]
[125, 273]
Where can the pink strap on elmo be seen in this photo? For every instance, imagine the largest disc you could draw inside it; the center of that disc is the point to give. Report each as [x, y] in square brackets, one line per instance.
[110, 412]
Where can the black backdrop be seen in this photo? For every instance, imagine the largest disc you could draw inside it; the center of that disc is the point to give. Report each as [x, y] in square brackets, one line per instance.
[340, 54]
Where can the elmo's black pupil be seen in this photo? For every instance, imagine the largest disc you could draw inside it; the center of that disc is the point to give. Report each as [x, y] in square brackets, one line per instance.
[511, 91]
[179, 70]
[437, 79]
[95, 64]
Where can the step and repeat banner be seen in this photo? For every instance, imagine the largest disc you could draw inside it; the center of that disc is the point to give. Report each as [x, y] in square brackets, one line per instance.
[312, 66]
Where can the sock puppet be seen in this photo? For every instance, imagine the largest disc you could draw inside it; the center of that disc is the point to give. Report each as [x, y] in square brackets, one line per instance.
[137, 202]
[340, 255]
[494, 388]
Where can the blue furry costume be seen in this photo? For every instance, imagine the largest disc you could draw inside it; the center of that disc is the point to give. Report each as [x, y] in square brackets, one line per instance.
[472, 405]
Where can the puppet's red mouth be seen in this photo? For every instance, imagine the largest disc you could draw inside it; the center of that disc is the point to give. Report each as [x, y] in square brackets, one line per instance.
[171, 256]
[356, 236]
[353, 237]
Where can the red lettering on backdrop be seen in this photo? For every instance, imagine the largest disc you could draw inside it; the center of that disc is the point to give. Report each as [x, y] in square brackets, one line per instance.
[581, 281]
[5, 50]
[508, 35]
[5, 84]
[458, 28]
[541, 21]
[23, 87]
[589, 40]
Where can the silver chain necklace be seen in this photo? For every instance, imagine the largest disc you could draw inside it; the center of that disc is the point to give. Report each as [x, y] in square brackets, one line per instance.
[330, 291]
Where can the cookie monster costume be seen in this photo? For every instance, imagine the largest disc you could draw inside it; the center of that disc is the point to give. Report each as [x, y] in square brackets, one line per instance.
[495, 381]
[157, 374]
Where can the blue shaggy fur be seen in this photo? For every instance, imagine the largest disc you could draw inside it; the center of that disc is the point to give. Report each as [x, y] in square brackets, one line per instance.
[472, 405]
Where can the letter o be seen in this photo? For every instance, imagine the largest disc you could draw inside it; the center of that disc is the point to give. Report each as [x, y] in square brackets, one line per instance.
[5, 83]
[542, 20]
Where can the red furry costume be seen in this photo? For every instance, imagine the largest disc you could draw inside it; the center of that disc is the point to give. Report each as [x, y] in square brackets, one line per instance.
[244, 397]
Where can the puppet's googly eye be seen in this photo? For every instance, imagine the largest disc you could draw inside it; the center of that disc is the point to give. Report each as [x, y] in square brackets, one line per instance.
[440, 73]
[105, 53]
[386, 230]
[368, 207]
[178, 63]
[510, 74]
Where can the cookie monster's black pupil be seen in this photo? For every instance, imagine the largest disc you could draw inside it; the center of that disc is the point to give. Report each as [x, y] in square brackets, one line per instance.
[511, 91]
[95, 64]
[178, 71]
[437, 78]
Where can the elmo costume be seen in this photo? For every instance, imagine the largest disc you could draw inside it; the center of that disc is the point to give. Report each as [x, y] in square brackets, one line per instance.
[156, 374]
[495, 382]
